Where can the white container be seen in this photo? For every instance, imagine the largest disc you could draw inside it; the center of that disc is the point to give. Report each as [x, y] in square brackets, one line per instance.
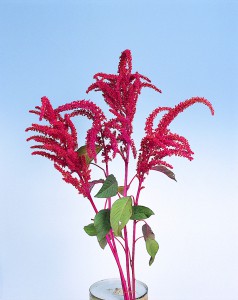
[111, 289]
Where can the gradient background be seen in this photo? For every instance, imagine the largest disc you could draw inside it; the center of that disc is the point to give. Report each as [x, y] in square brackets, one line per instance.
[187, 48]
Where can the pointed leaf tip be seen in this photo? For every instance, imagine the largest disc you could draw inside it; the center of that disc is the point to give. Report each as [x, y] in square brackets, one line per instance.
[166, 171]
[109, 188]
[103, 243]
[140, 212]
[152, 248]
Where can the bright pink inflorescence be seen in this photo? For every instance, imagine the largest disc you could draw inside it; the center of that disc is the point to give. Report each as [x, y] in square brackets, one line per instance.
[161, 142]
[58, 140]
[121, 92]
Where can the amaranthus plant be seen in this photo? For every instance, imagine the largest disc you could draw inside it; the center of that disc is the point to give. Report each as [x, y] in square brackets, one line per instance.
[108, 138]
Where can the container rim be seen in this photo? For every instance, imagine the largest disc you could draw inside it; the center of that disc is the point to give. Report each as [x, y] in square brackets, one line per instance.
[118, 279]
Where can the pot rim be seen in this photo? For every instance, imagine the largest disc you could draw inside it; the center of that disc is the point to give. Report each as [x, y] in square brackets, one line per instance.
[118, 279]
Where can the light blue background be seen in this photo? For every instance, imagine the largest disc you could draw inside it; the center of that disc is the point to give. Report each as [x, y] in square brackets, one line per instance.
[187, 48]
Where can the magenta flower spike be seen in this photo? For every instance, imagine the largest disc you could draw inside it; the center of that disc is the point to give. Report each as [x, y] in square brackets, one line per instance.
[121, 92]
[161, 142]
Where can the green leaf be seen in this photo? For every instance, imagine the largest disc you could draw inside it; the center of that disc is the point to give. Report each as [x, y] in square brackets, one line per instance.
[102, 223]
[103, 243]
[90, 229]
[140, 212]
[152, 246]
[164, 170]
[82, 151]
[121, 212]
[109, 188]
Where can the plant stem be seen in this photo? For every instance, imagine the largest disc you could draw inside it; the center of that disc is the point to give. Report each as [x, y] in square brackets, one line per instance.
[133, 261]
[127, 249]
[115, 254]
[92, 203]
[120, 243]
[131, 182]
[127, 252]
[134, 244]
[141, 237]
[99, 168]
[113, 248]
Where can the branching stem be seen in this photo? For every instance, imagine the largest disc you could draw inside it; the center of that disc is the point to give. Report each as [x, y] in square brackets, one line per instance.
[99, 168]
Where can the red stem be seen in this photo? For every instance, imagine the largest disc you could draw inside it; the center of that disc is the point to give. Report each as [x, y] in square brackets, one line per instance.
[92, 203]
[127, 249]
[127, 252]
[99, 168]
[133, 245]
[141, 237]
[120, 243]
[115, 254]
[131, 182]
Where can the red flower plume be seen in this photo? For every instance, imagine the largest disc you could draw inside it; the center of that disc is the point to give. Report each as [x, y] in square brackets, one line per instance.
[161, 142]
[58, 140]
[121, 94]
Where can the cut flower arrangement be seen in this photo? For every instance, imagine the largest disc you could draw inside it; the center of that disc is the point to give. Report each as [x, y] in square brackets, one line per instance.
[56, 139]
